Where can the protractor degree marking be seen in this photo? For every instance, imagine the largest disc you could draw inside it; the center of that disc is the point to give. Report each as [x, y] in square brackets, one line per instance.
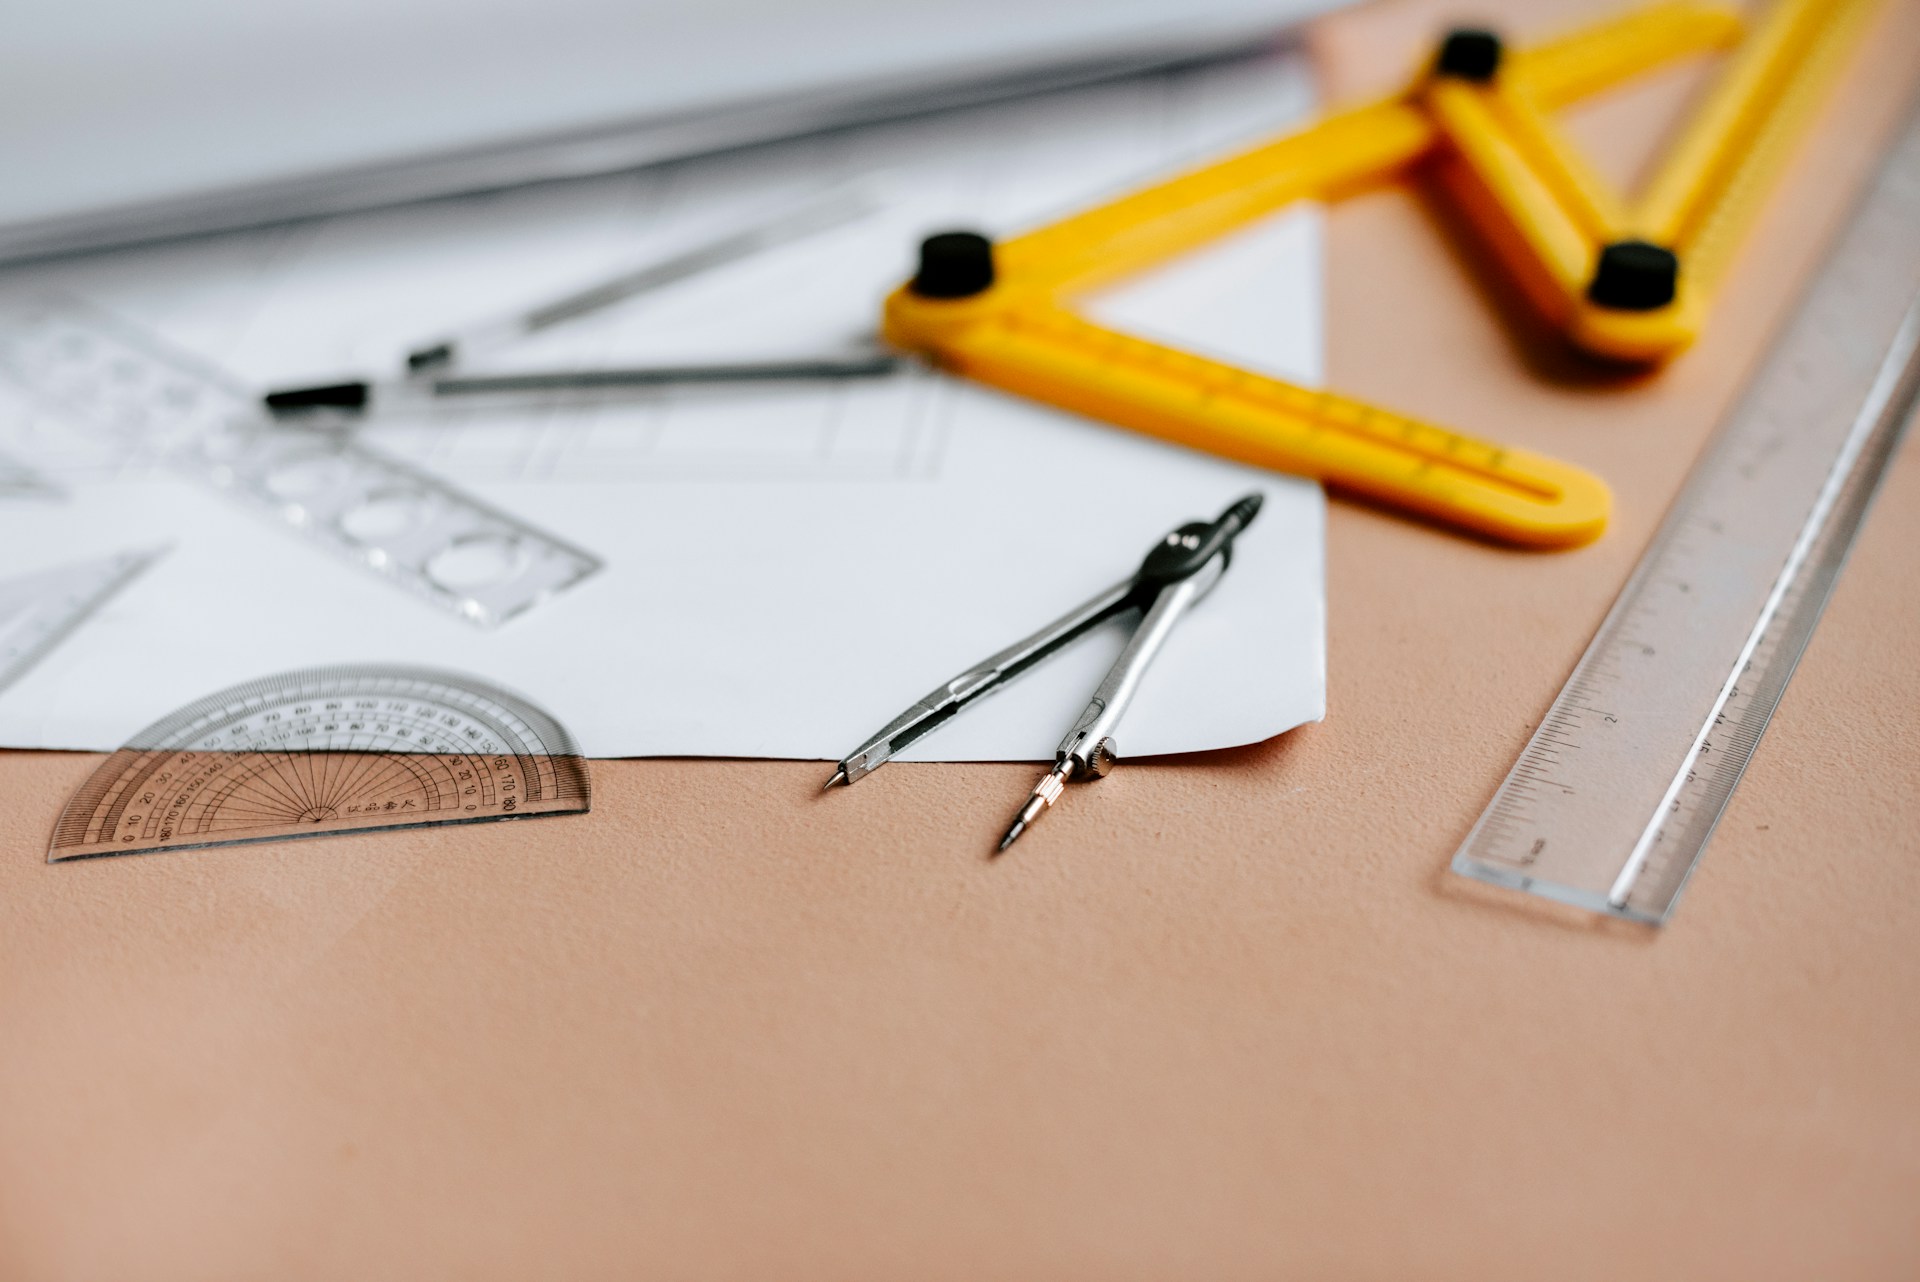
[292, 755]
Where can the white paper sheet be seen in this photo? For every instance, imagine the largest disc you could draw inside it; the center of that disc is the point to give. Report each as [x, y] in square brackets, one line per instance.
[787, 567]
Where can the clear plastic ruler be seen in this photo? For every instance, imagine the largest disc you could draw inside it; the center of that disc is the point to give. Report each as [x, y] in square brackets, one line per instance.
[40, 610]
[1619, 791]
[399, 522]
[325, 751]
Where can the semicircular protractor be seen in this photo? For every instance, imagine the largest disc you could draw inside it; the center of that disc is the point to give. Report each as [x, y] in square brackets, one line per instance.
[323, 751]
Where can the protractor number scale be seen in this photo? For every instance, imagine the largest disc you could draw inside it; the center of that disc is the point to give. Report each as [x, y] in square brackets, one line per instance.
[1617, 794]
[325, 751]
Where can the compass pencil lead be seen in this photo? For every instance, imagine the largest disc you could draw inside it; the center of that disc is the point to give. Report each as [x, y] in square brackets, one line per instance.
[1044, 794]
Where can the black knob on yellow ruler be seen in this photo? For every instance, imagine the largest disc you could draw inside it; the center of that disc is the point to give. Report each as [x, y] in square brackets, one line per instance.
[1469, 53]
[1635, 276]
[1631, 279]
[954, 264]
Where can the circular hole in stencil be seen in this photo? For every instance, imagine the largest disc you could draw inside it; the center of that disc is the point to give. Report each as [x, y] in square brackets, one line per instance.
[384, 515]
[482, 561]
[306, 475]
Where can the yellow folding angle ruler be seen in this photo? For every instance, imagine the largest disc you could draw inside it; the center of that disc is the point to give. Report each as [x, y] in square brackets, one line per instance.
[1632, 282]
[1002, 313]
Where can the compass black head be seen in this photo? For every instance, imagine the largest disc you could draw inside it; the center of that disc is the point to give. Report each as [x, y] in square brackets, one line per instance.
[1635, 276]
[954, 264]
[1469, 53]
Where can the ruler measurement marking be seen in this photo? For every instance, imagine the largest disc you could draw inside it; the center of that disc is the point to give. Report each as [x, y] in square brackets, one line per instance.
[1894, 370]
[1746, 558]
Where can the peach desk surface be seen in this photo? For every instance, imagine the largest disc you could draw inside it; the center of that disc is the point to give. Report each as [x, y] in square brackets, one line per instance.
[1222, 1017]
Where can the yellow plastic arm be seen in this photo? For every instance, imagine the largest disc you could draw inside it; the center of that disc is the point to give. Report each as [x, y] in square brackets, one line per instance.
[1556, 225]
[1052, 355]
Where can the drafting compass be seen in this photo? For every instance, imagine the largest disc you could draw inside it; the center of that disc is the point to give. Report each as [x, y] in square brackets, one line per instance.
[1181, 568]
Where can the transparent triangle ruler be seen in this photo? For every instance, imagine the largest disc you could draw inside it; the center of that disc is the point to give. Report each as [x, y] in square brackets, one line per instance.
[321, 752]
[396, 521]
[1618, 793]
[40, 610]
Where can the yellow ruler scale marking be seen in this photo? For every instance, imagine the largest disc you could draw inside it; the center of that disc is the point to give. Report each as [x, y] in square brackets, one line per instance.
[1507, 494]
